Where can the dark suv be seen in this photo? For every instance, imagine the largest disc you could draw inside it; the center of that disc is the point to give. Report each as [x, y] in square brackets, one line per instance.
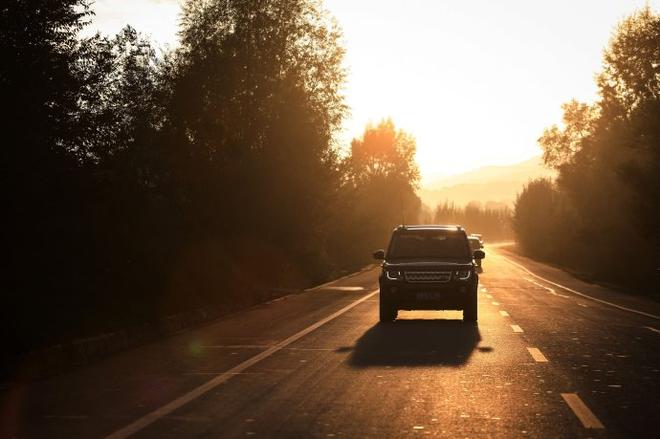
[428, 267]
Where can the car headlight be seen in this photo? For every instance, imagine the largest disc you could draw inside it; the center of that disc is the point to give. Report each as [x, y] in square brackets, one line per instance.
[394, 274]
[462, 274]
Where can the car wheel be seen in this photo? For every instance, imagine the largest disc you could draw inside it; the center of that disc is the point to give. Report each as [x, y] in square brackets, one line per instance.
[470, 309]
[388, 312]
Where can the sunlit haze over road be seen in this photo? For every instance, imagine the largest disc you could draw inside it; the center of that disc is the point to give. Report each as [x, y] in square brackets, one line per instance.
[481, 77]
[330, 218]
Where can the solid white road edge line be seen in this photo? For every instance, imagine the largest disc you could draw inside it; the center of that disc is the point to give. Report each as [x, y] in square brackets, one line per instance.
[652, 329]
[149, 418]
[537, 355]
[586, 416]
[653, 316]
[348, 276]
[550, 290]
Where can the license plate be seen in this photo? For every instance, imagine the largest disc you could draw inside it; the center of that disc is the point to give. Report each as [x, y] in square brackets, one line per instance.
[428, 295]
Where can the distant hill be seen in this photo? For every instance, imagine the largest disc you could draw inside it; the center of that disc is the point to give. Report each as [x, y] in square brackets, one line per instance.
[495, 185]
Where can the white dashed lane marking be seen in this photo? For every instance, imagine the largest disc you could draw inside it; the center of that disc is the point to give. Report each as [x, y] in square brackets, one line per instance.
[516, 328]
[350, 289]
[586, 416]
[504, 313]
[537, 355]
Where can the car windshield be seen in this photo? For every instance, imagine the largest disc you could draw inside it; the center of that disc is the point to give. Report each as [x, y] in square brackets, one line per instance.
[428, 244]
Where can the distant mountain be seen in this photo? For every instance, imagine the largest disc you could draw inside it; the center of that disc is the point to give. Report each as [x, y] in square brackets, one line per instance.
[495, 185]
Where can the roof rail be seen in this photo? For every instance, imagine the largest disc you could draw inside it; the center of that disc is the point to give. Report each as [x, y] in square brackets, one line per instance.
[428, 226]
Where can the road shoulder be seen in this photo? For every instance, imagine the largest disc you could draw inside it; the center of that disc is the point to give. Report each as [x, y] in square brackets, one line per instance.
[561, 277]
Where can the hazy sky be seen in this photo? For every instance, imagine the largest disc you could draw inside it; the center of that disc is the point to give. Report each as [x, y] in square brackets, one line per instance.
[474, 81]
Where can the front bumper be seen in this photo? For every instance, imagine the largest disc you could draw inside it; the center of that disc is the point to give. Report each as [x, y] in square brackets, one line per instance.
[454, 295]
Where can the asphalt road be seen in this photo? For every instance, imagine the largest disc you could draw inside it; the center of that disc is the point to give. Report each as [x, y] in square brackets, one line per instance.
[542, 362]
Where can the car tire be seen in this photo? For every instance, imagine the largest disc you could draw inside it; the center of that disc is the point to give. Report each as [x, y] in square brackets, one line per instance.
[388, 312]
[470, 309]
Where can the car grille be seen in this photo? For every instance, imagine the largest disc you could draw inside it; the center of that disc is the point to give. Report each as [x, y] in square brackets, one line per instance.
[428, 276]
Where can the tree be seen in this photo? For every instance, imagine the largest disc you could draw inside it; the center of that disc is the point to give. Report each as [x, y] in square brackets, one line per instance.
[630, 88]
[535, 219]
[384, 160]
[140, 185]
[631, 65]
[122, 102]
[378, 192]
[560, 146]
[256, 102]
[493, 221]
[608, 157]
[39, 84]
[384, 152]
[42, 179]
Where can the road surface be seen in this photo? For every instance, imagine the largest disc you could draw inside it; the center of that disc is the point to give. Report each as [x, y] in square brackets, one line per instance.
[543, 361]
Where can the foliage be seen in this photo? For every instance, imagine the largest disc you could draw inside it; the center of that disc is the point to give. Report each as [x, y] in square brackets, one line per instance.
[379, 178]
[606, 204]
[42, 179]
[144, 184]
[256, 100]
[494, 224]
[561, 145]
[535, 218]
[383, 153]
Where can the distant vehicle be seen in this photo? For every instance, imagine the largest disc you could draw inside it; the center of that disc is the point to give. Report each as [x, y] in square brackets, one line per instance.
[479, 236]
[476, 244]
[428, 267]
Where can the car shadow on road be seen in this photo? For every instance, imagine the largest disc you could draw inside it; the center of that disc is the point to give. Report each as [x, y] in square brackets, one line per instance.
[416, 343]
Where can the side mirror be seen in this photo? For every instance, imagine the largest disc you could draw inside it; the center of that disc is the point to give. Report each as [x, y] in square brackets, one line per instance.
[379, 255]
[479, 254]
